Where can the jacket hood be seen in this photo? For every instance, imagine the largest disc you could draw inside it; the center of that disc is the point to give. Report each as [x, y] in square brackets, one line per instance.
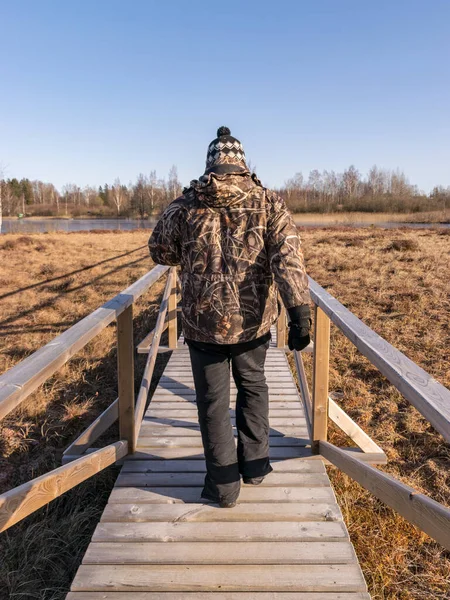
[224, 190]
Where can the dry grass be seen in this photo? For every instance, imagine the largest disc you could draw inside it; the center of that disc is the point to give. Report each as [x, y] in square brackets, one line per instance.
[349, 218]
[395, 280]
[48, 282]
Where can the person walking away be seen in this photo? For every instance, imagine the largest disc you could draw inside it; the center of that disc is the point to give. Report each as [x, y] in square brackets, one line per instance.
[237, 246]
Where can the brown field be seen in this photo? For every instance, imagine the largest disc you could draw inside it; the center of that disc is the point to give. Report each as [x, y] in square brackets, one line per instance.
[395, 280]
[368, 218]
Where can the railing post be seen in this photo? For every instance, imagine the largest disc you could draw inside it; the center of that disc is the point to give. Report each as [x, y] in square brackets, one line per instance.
[125, 376]
[281, 328]
[172, 310]
[320, 378]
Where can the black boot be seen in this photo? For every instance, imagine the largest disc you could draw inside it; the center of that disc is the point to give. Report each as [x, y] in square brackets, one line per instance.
[253, 480]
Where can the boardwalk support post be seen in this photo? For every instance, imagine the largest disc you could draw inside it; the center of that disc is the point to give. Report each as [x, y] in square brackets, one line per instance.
[281, 328]
[172, 312]
[125, 376]
[320, 378]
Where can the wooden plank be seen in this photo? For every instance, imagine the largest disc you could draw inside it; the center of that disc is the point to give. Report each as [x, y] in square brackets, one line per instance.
[144, 346]
[172, 395]
[304, 389]
[193, 430]
[196, 442]
[151, 359]
[292, 465]
[234, 553]
[105, 595]
[185, 404]
[275, 422]
[127, 479]
[251, 578]
[281, 379]
[23, 500]
[20, 381]
[430, 398]
[125, 377]
[348, 426]
[430, 516]
[281, 328]
[172, 312]
[267, 531]
[282, 454]
[196, 513]
[189, 411]
[252, 494]
[147, 452]
[320, 377]
[95, 430]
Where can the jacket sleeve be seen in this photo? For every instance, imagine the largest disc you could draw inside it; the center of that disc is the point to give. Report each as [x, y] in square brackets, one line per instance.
[165, 242]
[285, 254]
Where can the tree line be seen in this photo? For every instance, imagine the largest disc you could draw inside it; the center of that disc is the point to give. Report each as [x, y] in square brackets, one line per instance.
[147, 196]
[380, 190]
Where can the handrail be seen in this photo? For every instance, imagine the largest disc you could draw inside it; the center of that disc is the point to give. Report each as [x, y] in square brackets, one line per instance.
[430, 397]
[18, 503]
[430, 516]
[21, 380]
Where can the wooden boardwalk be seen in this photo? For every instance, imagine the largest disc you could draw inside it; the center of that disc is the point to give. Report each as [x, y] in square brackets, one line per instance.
[158, 541]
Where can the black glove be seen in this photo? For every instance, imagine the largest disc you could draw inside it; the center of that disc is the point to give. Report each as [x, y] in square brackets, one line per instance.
[299, 326]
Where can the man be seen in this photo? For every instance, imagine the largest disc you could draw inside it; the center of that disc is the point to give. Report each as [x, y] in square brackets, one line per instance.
[234, 240]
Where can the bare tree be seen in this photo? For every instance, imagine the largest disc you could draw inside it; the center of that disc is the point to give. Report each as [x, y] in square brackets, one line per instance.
[173, 184]
[118, 195]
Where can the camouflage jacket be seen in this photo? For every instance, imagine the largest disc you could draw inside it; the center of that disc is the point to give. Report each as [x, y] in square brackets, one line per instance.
[236, 244]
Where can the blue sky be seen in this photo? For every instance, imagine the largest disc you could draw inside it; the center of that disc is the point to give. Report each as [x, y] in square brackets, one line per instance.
[92, 90]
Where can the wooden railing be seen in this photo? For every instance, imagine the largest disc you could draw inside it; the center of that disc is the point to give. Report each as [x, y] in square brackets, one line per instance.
[23, 379]
[81, 461]
[428, 396]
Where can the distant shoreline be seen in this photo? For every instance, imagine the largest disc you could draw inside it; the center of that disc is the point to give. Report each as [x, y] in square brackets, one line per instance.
[344, 218]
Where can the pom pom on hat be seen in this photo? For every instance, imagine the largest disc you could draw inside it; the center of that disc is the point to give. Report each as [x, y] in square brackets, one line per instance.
[223, 131]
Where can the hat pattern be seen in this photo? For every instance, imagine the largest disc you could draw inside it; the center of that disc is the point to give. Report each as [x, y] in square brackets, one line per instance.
[225, 150]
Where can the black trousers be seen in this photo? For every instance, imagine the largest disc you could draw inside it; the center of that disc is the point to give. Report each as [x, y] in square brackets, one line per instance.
[211, 370]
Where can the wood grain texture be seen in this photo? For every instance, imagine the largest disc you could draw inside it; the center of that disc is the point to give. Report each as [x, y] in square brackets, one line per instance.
[172, 311]
[231, 553]
[95, 430]
[197, 479]
[430, 516]
[145, 452]
[125, 377]
[304, 389]
[281, 328]
[196, 513]
[196, 442]
[106, 595]
[321, 366]
[185, 495]
[250, 578]
[292, 465]
[348, 426]
[266, 531]
[144, 346]
[190, 403]
[28, 497]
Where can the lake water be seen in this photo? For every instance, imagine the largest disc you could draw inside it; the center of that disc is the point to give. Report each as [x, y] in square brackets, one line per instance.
[49, 225]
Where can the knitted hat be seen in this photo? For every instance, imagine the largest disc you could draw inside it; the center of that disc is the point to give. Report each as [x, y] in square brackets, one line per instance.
[225, 154]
